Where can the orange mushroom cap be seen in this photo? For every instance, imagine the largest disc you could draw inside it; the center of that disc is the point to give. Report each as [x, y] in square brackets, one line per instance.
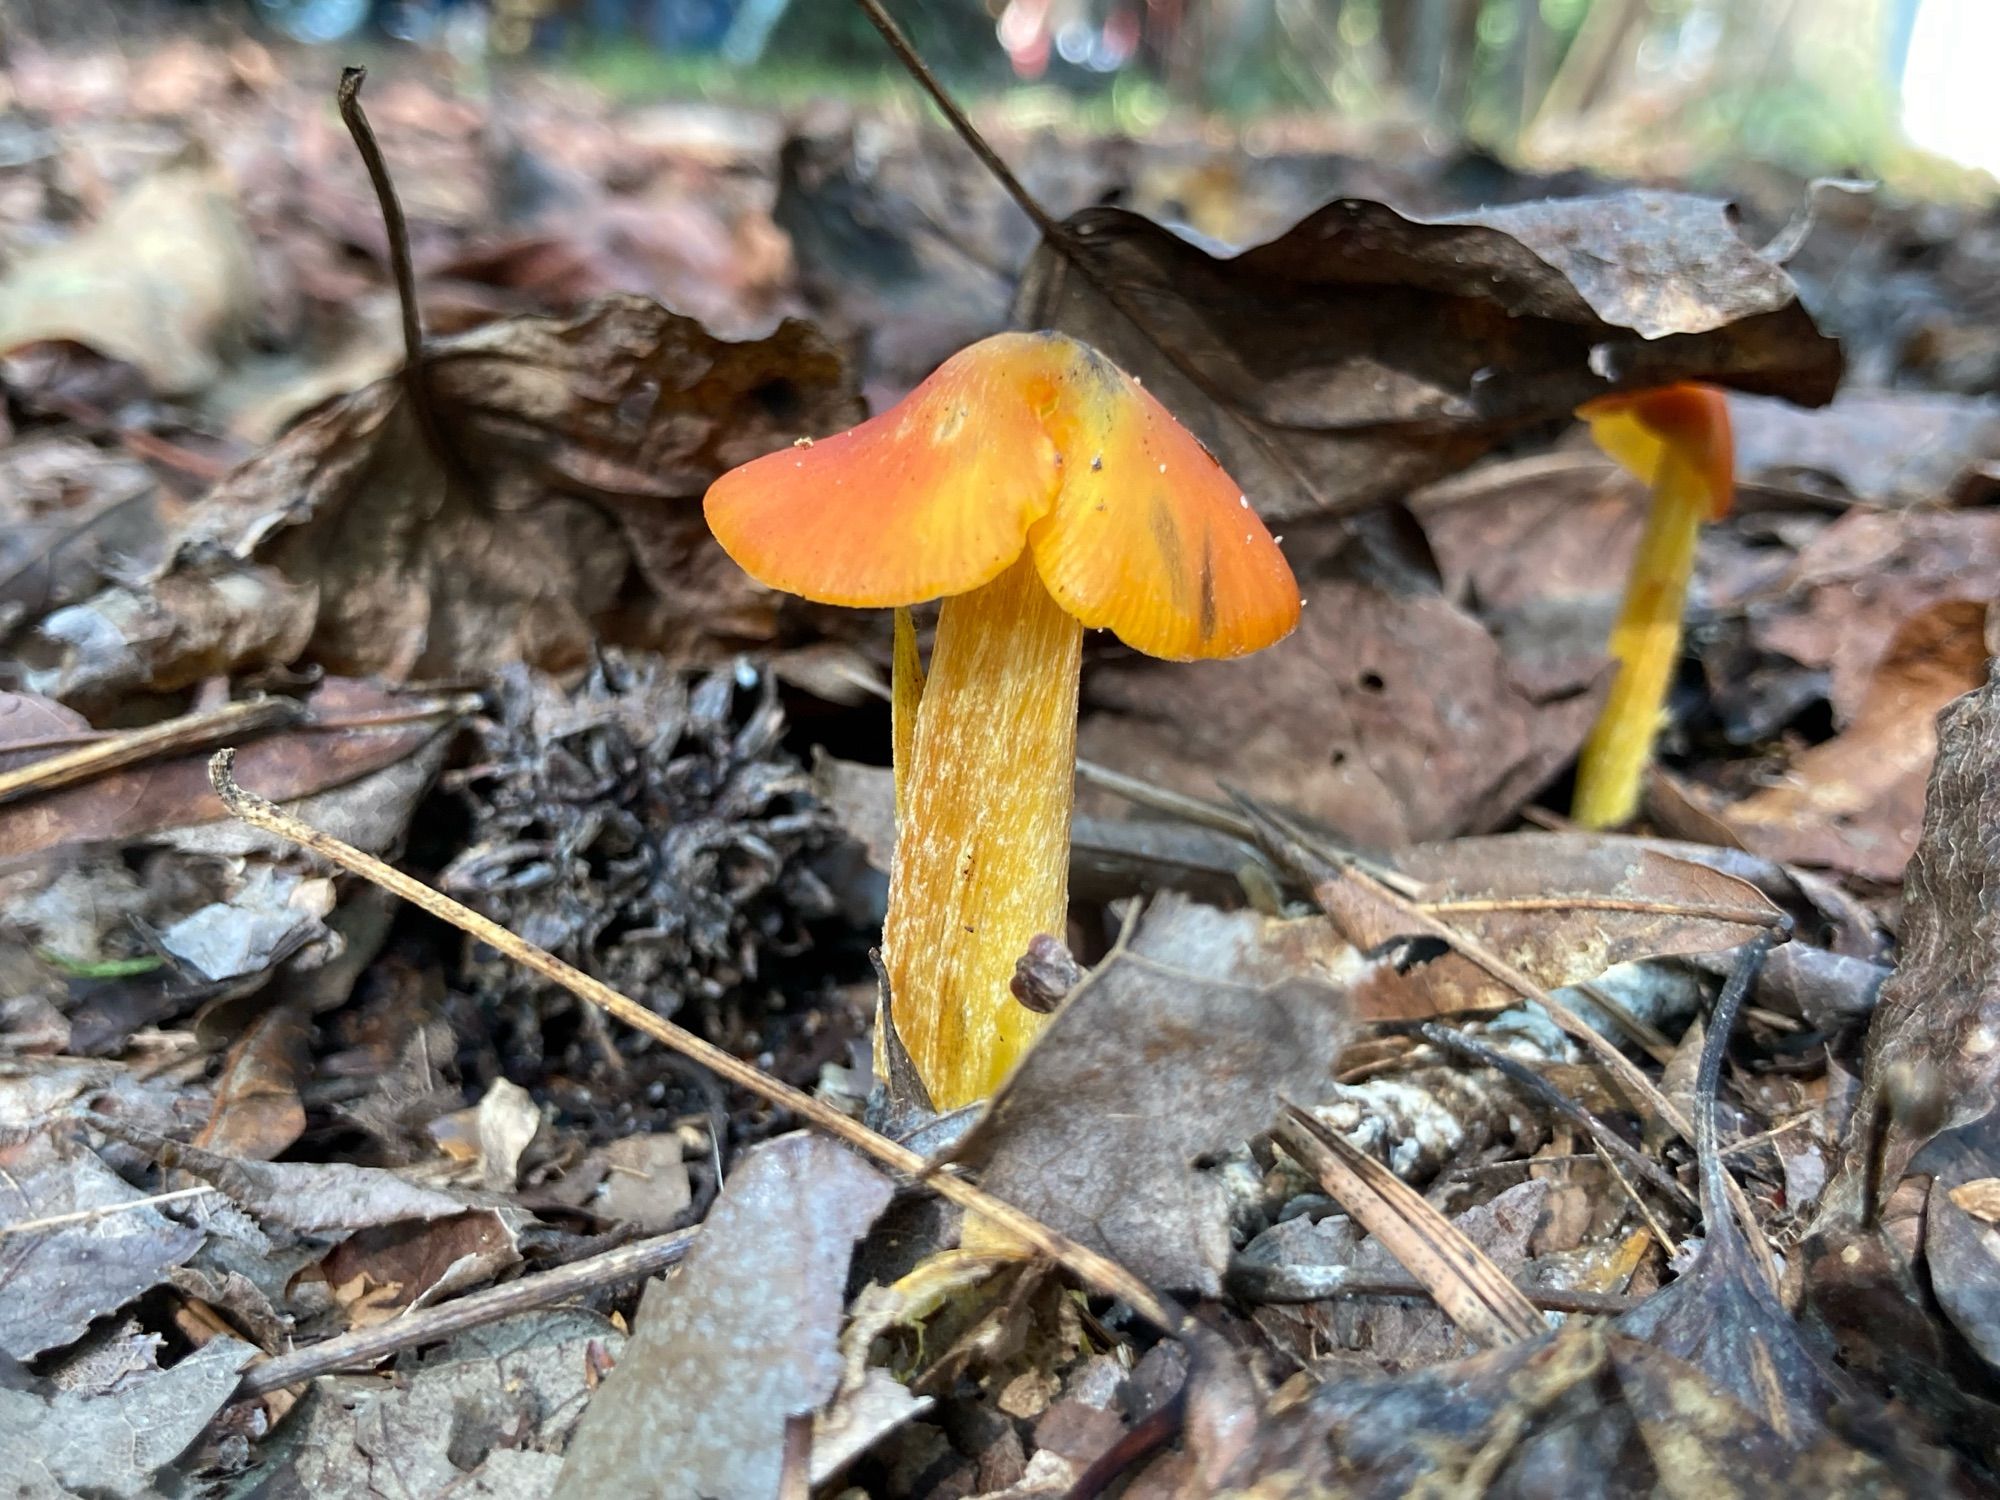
[1638, 428]
[1022, 440]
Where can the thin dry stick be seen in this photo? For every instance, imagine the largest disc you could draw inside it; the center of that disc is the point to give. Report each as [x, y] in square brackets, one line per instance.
[1646, 1035]
[1749, 916]
[189, 732]
[1653, 1224]
[1315, 869]
[102, 1211]
[1460, 1277]
[1098, 1271]
[1290, 1285]
[907, 55]
[365, 1346]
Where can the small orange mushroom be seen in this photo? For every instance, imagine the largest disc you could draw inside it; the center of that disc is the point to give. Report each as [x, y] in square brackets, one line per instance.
[1037, 489]
[1676, 439]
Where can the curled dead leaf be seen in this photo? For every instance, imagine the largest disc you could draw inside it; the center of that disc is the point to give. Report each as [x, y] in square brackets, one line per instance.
[565, 508]
[1560, 907]
[1363, 352]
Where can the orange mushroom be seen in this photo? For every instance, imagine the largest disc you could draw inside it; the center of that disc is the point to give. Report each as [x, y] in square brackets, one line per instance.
[1677, 440]
[1037, 489]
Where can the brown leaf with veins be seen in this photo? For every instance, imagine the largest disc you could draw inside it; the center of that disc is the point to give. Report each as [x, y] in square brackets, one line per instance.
[567, 509]
[1862, 579]
[1178, 1047]
[1363, 352]
[257, 1112]
[1561, 907]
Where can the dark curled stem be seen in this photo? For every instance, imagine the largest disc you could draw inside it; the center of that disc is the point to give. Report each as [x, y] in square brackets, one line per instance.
[1715, 1181]
[416, 379]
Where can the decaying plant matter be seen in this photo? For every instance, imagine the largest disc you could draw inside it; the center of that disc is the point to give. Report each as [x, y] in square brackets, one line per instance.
[1337, 1117]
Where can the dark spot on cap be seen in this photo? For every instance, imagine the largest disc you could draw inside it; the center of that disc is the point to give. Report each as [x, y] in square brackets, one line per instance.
[1207, 586]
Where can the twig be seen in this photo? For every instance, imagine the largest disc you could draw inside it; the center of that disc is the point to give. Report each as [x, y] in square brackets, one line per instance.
[1653, 1224]
[1643, 1034]
[1460, 1277]
[149, 446]
[1206, 814]
[365, 1346]
[1098, 1271]
[906, 54]
[1749, 916]
[1319, 872]
[1291, 1285]
[102, 1211]
[189, 732]
[416, 376]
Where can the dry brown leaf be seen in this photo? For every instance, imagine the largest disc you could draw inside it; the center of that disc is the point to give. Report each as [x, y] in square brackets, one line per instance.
[566, 511]
[1855, 804]
[114, 1445]
[1538, 548]
[55, 1282]
[1980, 1198]
[1705, 1444]
[163, 281]
[168, 634]
[1961, 1247]
[1864, 578]
[1390, 717]
[1560, 907]
[320, 1199]
[1362, 352]
[71, 516]
[1174, 1050]
[355, 732]
[742, 1342]
[418, 1261]
[257, 1112]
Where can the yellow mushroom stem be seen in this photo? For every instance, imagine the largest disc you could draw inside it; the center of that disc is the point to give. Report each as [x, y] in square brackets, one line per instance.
[906, 691]
[982, 843]
[1646, 644]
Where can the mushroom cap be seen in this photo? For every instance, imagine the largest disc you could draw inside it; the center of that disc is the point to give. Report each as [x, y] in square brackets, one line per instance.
[1639, 428]
[1021, 440]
